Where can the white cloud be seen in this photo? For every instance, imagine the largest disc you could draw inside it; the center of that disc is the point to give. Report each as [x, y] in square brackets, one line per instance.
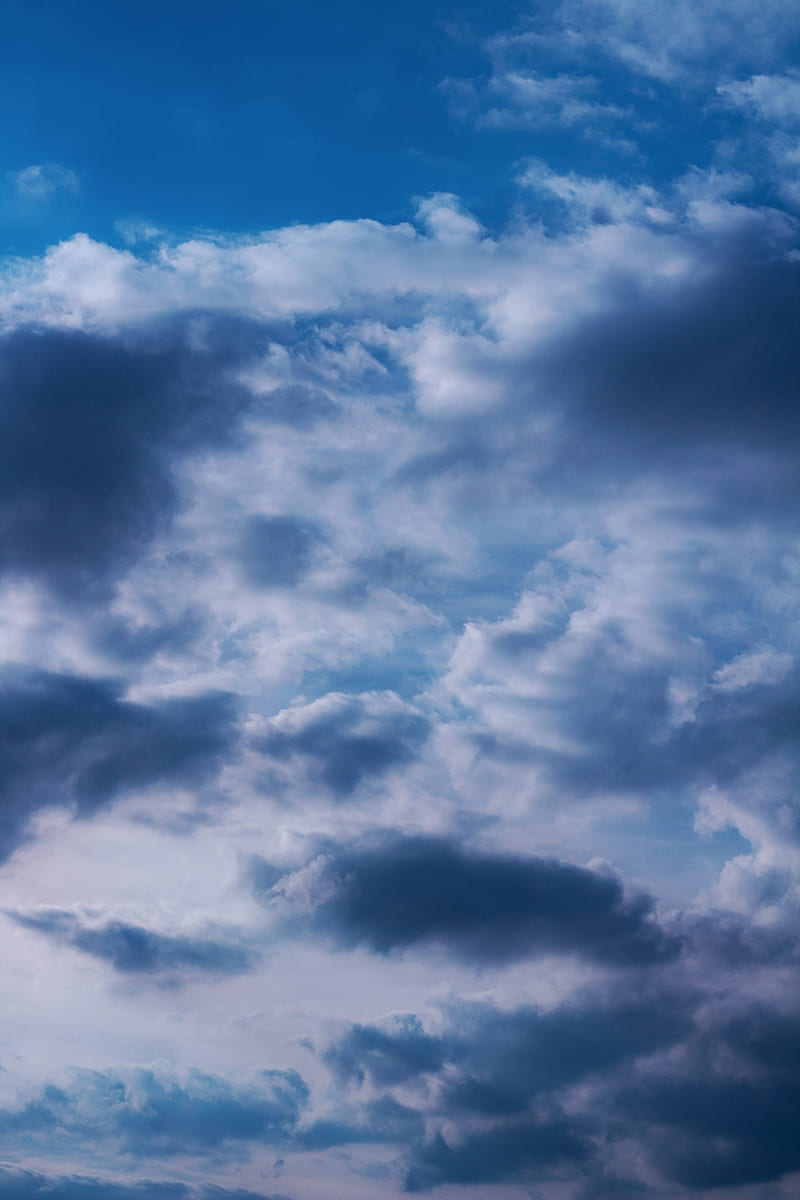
[690, 36]
[598, 200]
[523, 99]
[766, 97]
[43, 181]
[517, 94]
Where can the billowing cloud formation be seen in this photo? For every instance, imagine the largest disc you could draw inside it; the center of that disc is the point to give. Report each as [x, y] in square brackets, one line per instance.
[344, 740]
[134, 950]
[74, 741]
[497, 1062]
[159, 1113]
[547, 578]
[388, 1055]
[730, 1123]
[392, 892]
[554, 1087]
[445, 572]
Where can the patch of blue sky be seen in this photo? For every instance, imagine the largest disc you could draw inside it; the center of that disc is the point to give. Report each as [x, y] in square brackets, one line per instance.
[656, 841]
[190, 118]
[194, 116]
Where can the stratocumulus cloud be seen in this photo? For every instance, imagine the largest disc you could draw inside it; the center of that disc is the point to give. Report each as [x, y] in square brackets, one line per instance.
[91, 427]
[30, 1185]
[73, 741]
[134, 950]
[156, 1113]
[399, 656]
[392, 893]
[344, 740]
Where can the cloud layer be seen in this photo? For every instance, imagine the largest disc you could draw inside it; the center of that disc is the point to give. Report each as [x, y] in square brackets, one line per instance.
[400, 661]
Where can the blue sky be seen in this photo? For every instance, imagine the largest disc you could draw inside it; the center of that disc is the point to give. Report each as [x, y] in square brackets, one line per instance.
[190, 117]
[255, 115]
[399, 566]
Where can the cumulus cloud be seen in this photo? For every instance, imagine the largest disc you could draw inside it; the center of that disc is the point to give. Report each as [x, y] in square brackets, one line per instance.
[700, 1093]
[342, 740]
[767, 97]
[597, 200]
[502, 554]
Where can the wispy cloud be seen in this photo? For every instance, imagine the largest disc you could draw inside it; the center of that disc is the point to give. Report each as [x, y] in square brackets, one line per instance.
[43, 181]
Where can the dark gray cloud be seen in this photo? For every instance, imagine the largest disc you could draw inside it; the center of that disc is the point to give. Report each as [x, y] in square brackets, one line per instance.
[380, 1121]
[693, 383]
[343, 740]
[135, 950]
[730, 733]
[765, 1039]
[391, 892]
[494, 1062]
[90, 428]
[148, 1113]
[709, 1133]
[733, 941]
[725, 1114]
[18, 1184]
[618, 716]
[706, 1098]
[703, 367]
[70, 740]
[531, 1150]
[621, 717]
[388, 1056]
[506, 1059]
[734, 732]
[698, 379]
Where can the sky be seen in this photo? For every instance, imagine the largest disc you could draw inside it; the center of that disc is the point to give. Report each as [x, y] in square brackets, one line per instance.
[398, 600]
